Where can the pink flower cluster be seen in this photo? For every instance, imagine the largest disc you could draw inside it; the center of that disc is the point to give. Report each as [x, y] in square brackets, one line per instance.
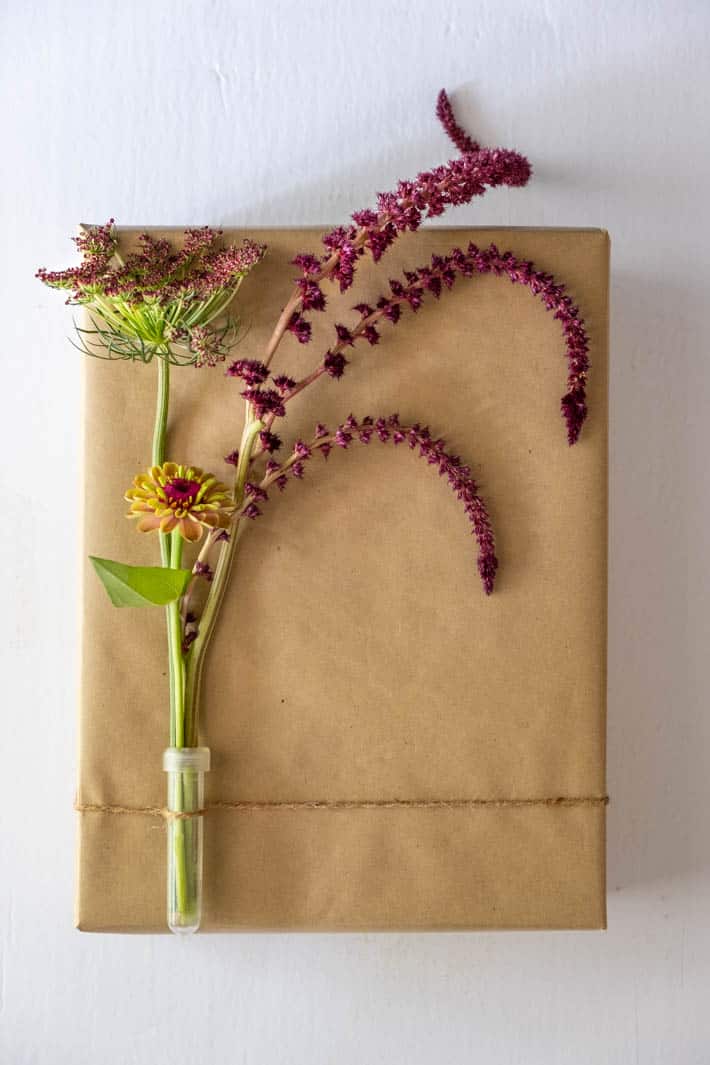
[440, 274]
[199, 269]
[404, 209]
[388, 430]
[456, 133]
[374, 231]
[427, 196]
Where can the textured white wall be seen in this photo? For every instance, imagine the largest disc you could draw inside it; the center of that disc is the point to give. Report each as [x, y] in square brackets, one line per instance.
[233, 111]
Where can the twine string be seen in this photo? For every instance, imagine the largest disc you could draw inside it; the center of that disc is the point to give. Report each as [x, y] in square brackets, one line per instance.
[344, 804]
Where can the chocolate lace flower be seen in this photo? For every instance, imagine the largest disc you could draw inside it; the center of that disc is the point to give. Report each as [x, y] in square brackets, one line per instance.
[159, 300]
[185, 498]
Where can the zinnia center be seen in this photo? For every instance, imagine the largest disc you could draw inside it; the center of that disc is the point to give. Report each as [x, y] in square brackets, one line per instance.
[180, 491]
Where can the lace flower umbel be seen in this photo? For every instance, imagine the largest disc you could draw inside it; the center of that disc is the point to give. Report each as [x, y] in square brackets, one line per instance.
[185, 498]
[158, 300]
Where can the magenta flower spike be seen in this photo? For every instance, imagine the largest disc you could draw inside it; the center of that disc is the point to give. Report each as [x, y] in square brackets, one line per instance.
[404, 209]
[388, 430]
[441, 274]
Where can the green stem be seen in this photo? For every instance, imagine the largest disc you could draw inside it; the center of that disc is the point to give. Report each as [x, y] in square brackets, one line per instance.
[196, 656]
[177, 664]
[158, 458]
[180, 832]
[160, 429]
[181, 868]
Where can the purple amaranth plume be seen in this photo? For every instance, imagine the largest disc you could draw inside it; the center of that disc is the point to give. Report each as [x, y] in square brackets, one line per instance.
[427, 196]
[441, 273]
[265, 401]
[389, 430]
[404, 209]
[457, 134]
[251, 371]
[373, 231]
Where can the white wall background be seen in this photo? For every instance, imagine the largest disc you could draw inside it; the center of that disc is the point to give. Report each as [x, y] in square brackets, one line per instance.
[245, 112]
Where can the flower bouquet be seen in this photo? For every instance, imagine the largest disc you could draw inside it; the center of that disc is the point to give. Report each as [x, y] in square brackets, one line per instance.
[175, 307]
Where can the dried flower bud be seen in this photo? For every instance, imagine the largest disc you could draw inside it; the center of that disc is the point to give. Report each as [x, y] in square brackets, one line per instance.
[344, 335]
[335, 364]
[251, 371]
[202, 569]
[265, 401]
[284, 383]
[269, 441]
[255, 491]
[300, 328]
[312, 297]
[308, 263]
[445, 114]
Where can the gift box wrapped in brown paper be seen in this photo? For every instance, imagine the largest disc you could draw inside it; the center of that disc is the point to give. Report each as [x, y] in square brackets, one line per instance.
[395, 749]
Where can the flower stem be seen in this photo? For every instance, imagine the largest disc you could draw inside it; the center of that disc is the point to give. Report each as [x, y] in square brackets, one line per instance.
[177, 664]
[179, 832]
[195, 658]
[159, 433]
[158, 458]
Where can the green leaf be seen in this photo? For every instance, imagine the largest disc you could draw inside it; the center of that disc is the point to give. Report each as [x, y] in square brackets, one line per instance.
[140, 585]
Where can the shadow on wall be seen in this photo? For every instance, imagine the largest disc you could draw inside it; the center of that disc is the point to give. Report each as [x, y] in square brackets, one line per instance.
[657, 762]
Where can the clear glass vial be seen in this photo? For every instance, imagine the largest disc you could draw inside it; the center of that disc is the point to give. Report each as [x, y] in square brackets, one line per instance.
[186, 768]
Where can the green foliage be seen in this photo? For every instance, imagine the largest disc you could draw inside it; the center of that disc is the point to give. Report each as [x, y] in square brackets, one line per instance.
[140, 585]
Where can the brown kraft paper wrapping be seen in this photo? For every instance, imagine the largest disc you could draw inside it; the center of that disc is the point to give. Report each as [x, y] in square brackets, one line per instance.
[357, 659]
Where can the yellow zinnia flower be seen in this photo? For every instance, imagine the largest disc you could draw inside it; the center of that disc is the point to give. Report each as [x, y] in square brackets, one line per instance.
[185, 498]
